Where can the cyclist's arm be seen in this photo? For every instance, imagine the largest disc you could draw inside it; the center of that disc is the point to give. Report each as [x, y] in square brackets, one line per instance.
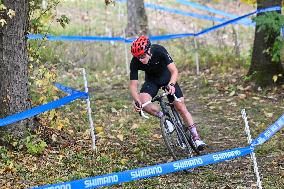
[174, 73]
[133, 86]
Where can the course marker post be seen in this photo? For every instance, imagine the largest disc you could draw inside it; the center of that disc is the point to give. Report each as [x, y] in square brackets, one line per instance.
[196, 51]
[126, 54]
[92, 130]
[253, 157]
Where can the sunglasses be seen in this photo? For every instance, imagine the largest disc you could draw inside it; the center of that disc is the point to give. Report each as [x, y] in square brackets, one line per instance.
[141, 56]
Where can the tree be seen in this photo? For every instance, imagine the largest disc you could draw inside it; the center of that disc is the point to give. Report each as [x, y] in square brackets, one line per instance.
[266, 67]
[137, 22]
[14, 93]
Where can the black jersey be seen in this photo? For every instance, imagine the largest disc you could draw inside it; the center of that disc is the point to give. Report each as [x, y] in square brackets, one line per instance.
[156, 70]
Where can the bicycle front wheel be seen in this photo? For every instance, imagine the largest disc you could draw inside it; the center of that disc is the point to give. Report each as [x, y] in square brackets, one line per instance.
[175, 139]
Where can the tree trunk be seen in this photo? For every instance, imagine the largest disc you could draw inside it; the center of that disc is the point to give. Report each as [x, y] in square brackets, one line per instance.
[14, 67]
[137, 23]
[262, 67]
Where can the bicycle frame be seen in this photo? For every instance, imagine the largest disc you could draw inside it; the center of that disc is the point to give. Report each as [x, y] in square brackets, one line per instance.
[163, 104]
[175, 116]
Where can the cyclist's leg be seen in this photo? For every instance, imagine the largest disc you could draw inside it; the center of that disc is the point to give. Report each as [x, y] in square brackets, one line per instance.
[148, 91]
[181, 107]
[185, 114]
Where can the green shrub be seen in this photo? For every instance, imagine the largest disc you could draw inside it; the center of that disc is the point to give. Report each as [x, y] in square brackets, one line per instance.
[34, 145]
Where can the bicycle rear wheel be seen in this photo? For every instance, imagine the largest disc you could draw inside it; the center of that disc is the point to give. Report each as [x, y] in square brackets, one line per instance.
[175, 139]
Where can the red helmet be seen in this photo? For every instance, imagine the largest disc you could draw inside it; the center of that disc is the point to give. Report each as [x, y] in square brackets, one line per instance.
[140, 46]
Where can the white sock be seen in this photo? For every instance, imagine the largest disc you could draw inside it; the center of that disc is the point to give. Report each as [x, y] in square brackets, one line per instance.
[194, 133]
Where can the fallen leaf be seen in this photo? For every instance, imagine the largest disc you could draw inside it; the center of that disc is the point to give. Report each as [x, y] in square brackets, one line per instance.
[232, 93]
[242, 96]
[255, 98]
[113, 110]
[240, 88]
[157, 136]
[99, 129]
[212, 107]
[134, 126]
[123, 161]
[120, 137]
[268, 114]
[275, 78]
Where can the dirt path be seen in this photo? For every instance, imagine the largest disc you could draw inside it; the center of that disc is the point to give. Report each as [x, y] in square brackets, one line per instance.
[220, 124]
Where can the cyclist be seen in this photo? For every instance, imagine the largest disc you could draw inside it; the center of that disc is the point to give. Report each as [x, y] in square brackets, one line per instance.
[160, 71]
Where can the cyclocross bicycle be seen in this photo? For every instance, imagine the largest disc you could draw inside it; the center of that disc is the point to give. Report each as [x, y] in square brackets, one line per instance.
[177, 136]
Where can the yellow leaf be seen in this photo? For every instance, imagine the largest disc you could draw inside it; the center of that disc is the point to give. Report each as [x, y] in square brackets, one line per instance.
[2, 22]
[2, 7]
[250, 2]
[60, 125]
[39, 82]
[66, 121]
[274, 78]
[123, 161]
[48, 75]
[11, 13]
[99, 129]
[42, 99]
[52, 113]
[120, 137]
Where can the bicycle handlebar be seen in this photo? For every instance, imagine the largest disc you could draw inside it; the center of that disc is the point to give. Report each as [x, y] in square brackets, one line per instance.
[153, 100]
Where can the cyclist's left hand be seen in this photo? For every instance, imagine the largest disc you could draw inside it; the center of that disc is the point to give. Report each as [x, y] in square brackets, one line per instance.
[171, 89]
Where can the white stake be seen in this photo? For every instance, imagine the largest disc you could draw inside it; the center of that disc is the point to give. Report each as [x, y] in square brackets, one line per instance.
[44, 4]
[92, 130]
[196, 51]
[126, 54]
[253, 157]
[196, 56]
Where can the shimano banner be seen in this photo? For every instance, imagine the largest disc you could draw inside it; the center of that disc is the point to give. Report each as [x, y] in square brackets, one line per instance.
[140, 173]
[161, 169]
[269, 132]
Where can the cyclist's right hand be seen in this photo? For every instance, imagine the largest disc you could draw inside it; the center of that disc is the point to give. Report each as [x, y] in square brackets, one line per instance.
[137, 106]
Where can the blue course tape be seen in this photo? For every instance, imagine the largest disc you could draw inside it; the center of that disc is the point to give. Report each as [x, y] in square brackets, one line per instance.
[223, 24]
[184, 13]
[40, 109]
[151, 171]
[161, 37]
[276, 8]
[215, 11]
[269, 132]
[65, 89]
[74, 38]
